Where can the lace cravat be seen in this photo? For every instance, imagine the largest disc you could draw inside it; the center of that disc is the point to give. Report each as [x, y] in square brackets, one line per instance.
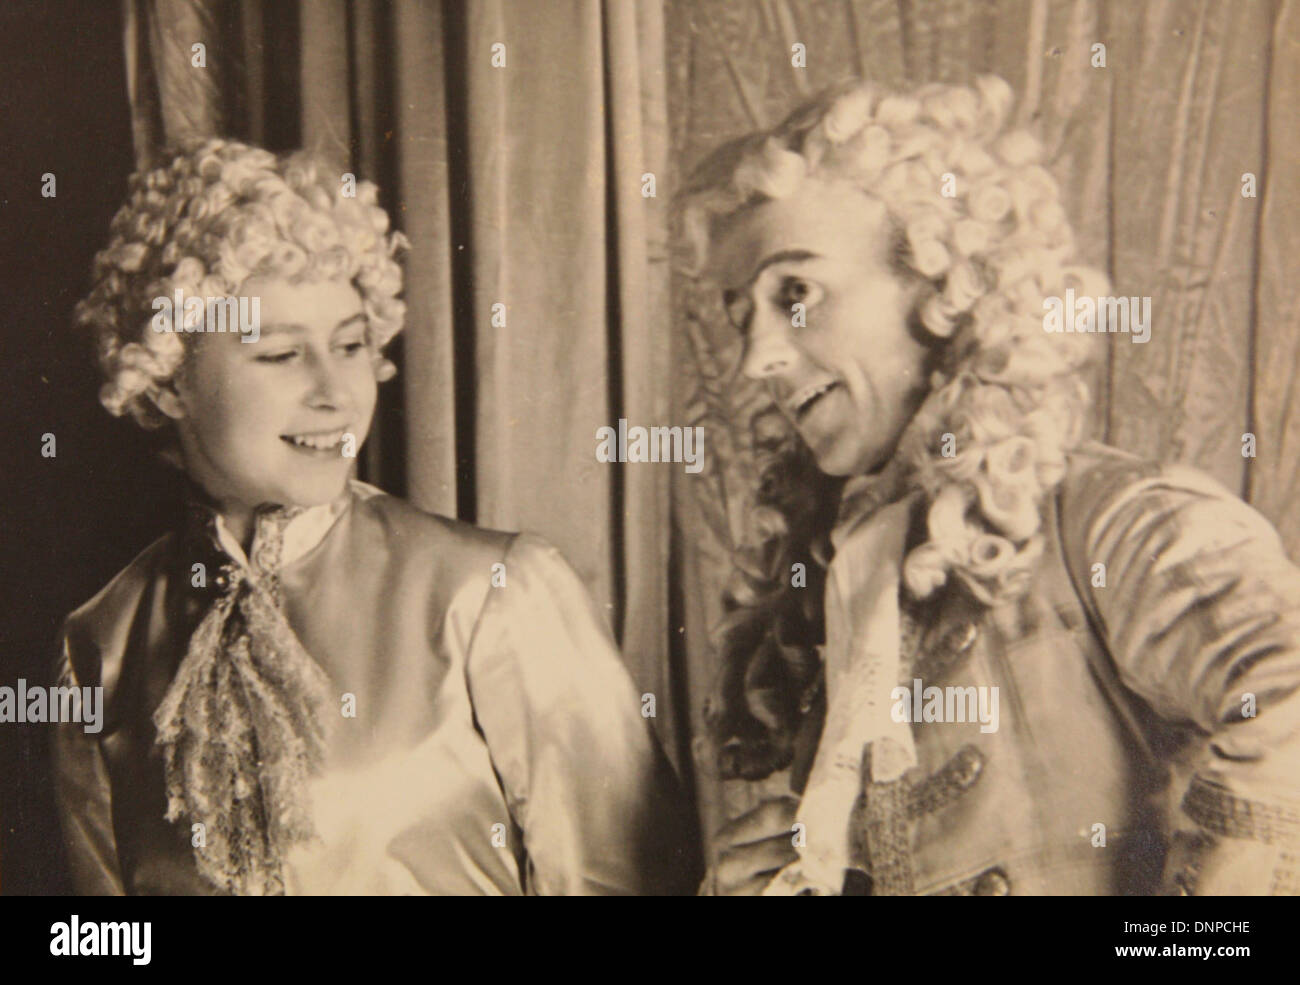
[243, 725]
[862, 667]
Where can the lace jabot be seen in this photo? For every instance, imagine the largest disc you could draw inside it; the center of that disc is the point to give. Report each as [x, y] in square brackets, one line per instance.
[244, 723]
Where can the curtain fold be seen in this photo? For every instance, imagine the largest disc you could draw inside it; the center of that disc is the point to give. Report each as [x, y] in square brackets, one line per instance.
[171, 96]
[1273, 479]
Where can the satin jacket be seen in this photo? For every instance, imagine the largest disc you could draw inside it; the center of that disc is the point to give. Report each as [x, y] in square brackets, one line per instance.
[1148, 736]
[498, 745]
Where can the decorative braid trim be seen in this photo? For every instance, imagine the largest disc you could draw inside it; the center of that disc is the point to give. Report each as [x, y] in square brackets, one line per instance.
[1286, 877]
[1216, 810]
[948, 783]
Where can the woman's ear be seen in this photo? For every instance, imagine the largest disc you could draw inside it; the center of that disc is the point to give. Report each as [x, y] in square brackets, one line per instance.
[385, 370]
[168, 400]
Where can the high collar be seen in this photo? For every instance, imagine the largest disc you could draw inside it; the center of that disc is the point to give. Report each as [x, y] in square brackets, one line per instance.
[281, 534]
[863, 496]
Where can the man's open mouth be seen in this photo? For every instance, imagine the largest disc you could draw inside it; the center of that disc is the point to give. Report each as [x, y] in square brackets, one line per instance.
[319, 441]
[803, 400]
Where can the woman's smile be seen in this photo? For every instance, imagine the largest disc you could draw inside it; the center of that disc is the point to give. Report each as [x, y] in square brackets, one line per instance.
[316, 444]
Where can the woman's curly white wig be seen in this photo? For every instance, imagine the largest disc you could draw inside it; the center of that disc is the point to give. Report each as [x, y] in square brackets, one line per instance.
[979, 224]
[220, 212]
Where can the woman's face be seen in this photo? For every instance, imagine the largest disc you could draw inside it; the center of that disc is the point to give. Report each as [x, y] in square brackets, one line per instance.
[281, 419]
[847, 374]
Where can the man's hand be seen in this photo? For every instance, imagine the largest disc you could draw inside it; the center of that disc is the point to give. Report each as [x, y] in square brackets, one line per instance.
[751, 848]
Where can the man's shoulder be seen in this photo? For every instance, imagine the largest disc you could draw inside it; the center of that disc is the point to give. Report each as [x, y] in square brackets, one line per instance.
[1106, 492]
[1093, 471]
[1098, 474]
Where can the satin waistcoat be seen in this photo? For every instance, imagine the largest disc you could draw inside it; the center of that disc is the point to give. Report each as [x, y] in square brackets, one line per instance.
[495, 742]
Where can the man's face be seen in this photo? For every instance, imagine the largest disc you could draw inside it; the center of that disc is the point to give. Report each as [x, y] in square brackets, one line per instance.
[850, 378]
[281, 419]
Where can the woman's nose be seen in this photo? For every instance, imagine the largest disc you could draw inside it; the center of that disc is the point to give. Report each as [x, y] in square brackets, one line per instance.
[769, 349]
[328, 391]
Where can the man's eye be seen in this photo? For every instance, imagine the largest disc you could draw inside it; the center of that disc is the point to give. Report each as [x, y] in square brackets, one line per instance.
[277, 357]
[796, 290]
[738, 308]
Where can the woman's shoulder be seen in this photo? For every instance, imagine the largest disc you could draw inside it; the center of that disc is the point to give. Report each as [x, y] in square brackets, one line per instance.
[452, 548]
[410, 529]
[465, 562]
[100, 626]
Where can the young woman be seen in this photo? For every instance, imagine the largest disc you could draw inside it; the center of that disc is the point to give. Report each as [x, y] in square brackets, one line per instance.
[1115, 645]
[314, 687]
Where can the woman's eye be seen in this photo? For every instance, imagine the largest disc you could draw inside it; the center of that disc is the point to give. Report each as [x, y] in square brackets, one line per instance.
[352, 348]
[796, 290]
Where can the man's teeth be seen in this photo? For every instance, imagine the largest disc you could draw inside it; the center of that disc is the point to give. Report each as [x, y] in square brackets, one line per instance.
[320, 442]
[808, 395]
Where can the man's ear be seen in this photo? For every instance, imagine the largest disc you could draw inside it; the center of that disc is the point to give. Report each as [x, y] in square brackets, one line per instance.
[168, 400]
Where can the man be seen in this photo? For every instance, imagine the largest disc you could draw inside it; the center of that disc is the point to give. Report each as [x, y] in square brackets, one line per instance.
[1049, 667]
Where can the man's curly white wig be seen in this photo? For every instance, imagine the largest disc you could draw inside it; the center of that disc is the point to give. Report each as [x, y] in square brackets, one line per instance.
[220, 212]
[980, 220]
[978, 225]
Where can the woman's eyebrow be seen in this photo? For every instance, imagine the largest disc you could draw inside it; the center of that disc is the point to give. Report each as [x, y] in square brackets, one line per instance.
[297, 328]
[359, 316]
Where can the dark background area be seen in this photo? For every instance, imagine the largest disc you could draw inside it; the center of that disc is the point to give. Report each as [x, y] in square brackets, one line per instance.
[68, 523]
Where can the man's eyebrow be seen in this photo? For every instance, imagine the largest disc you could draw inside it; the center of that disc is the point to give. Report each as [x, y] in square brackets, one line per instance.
[783, 256]
[279, 328]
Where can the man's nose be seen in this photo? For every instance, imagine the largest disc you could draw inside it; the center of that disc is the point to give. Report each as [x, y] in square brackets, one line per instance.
[769, 349]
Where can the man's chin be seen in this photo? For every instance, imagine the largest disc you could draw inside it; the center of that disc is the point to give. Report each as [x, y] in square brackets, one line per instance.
[841, 459]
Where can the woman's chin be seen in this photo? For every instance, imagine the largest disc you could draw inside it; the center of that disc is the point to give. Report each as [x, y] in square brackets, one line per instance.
[306, 494]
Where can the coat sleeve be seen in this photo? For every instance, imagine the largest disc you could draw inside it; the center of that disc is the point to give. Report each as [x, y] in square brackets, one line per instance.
[1200, 610]
[82, 797]
[584, 777]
